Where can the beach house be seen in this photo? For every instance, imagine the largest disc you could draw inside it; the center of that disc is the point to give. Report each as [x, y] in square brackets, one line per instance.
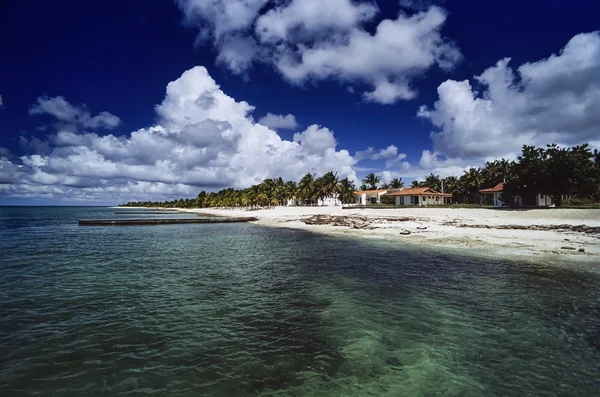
[330, 201]
[420, 196]
[365, 197]
[491, 195]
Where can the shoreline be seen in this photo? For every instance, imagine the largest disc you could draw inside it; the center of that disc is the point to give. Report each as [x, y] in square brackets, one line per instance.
[547, 234]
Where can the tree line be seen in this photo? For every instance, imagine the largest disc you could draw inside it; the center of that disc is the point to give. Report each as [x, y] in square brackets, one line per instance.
[553, 171]
[270, 192]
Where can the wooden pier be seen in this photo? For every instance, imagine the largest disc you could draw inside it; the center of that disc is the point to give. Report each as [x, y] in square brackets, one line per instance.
[139, 222]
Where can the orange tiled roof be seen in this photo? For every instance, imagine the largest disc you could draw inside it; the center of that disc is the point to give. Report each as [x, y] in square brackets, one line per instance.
[418, 191]
[498, 188]
[371, 191]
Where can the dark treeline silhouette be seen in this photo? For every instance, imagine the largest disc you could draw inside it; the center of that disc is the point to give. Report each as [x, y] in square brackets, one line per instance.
[554, 171]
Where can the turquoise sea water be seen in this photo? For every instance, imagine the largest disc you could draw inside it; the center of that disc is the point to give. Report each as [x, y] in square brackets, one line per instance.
[243, 310]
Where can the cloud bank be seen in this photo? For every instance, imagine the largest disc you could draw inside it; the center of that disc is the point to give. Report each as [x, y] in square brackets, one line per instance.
[203, 139]
[552, 100]
[315, 40]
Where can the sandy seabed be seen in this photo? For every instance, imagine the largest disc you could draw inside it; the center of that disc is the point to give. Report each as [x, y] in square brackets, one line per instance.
[552, 233]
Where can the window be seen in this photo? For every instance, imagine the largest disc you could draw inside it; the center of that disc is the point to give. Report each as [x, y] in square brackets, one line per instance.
[437, 198]
[541, 196]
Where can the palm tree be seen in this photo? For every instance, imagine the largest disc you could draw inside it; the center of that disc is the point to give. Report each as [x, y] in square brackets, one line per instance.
[396, 183]
[290, 190]
[331, 182]
[372, 181]
[415, 183]
[306, 187]
[384, 186]
[470, 182]
[346, 191]
[433, 181]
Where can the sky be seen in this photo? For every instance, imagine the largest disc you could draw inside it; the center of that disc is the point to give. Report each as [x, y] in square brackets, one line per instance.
[106, 102]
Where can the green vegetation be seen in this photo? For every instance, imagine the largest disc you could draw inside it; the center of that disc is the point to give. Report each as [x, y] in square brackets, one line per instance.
[560, 173]
[271, 192]
[570, 176]
[554, 171]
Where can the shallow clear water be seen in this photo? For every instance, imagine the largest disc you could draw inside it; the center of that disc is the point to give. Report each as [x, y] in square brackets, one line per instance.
[238, 309]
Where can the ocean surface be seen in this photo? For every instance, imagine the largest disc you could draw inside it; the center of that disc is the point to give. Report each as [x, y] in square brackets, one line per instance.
[245, 310]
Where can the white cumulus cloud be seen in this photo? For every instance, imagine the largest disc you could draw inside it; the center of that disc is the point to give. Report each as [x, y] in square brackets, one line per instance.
[315, 40]
[204, 139]
[552, 100]
[276, 121]
[63, 111]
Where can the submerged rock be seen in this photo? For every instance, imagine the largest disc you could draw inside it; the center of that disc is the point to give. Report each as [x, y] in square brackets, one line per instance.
[394, 362]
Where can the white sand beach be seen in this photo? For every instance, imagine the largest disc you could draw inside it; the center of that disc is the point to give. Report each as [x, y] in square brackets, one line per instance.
[551, 233]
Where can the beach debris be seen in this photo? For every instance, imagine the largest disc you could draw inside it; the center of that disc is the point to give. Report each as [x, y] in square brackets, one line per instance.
[581, 250]
[566, 247]
[405, 232]
[353, 222]
[421, 227]
[564, 227]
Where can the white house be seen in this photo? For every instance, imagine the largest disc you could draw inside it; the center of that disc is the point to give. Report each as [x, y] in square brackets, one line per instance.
[492, 194]
[420, 196]
[365, 197]
[331, 201]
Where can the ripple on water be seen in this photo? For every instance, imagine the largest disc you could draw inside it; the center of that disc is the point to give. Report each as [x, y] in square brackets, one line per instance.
[234, 310]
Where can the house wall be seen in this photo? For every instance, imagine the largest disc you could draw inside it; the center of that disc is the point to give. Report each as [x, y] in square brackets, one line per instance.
[327, 201]
[430, 200]
[403, 200]
[330, 201]
[544, 200]
[421, 200]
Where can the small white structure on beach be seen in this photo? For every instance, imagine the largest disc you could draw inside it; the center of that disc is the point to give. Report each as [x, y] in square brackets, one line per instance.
[330, 201]
[493, 194]
[420, 196]
[365, 197]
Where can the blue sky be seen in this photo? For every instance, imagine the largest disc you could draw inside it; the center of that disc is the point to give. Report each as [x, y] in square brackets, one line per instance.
[386, 86]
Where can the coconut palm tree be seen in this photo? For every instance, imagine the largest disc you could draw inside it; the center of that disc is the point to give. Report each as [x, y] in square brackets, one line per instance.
[433, 181]
[306, 187]
[470, 183]
[415, 183]
[328, 186]
[372, 181]
[396, 183]
[346, 191]
[290, 190]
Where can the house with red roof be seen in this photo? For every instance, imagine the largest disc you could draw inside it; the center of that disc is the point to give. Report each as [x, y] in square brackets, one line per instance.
[365, 197]
[420, 196]
[492, 195]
